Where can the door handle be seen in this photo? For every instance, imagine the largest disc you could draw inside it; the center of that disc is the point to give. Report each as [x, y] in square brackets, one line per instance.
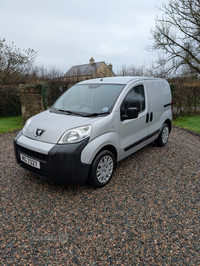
[147, 118]
[151, 116]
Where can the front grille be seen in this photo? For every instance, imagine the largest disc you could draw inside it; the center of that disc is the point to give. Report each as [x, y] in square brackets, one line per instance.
[35, 155]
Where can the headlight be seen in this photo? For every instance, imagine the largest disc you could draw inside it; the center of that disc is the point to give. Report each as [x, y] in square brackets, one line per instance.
[75, 135]
[26, 125]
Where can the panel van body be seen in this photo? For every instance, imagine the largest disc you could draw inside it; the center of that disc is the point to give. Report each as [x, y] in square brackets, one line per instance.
[94, 125]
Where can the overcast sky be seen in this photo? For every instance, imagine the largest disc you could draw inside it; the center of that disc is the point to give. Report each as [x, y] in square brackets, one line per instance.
[69, 32]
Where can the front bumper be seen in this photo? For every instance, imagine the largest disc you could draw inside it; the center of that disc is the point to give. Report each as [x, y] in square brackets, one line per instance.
[61, 164]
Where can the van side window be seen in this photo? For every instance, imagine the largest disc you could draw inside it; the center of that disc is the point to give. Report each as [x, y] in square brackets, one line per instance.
[134, 98]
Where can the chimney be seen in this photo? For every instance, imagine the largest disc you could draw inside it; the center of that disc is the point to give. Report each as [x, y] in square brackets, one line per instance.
[110, 66]
[91, 60]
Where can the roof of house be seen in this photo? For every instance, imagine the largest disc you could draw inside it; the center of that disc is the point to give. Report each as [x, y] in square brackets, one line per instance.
[83, 70]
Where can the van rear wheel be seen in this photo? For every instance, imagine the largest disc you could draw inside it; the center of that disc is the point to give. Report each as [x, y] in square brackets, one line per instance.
[102, 169]
[163, 136]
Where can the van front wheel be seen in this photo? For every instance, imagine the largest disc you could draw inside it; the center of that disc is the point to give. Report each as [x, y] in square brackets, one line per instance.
[102, 169]
[163, 136]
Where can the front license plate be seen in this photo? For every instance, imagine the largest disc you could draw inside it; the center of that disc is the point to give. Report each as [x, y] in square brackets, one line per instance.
[30, 161]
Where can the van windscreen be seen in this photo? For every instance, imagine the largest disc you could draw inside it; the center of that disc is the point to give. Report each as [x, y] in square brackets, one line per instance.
[88, 99]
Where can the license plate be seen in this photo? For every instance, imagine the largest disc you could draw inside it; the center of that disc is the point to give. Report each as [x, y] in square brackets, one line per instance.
[30, 161]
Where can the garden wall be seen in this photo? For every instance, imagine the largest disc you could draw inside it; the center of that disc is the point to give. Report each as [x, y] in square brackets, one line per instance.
[33, 99]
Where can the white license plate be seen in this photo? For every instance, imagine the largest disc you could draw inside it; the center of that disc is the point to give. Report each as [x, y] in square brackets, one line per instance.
[30, 161]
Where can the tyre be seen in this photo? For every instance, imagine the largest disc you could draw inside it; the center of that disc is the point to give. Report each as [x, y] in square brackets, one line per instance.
[163, 136]
[102, 169]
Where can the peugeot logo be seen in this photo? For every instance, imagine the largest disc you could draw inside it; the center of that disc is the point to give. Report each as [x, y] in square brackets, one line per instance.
[38, 132]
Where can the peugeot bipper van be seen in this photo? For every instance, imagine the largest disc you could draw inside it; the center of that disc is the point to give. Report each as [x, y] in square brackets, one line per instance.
[94, 125]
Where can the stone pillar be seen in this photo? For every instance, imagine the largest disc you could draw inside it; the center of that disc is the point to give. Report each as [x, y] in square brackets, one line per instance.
[31, 101]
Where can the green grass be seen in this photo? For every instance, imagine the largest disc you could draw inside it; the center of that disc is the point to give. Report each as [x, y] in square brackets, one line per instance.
[8, 124]
[191, 123]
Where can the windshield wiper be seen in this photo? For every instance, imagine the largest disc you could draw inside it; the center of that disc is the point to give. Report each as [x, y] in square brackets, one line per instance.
[88, 115]
[96, 114]
[70, 112]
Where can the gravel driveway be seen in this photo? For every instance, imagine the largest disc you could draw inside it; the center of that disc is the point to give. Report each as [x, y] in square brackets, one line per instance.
[147, 215]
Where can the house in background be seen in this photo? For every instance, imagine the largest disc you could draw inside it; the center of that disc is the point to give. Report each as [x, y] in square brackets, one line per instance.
[89, 71]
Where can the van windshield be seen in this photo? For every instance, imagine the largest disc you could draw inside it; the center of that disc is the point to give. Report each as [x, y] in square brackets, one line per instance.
[88, 99]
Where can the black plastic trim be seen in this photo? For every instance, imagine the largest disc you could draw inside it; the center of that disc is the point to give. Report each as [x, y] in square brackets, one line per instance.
[141, 140]
[15, 145]
[62, 165]
[168, 104]
[65, 166]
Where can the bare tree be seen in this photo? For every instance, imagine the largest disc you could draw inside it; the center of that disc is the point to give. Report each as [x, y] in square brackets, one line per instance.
[177, 34]
[14, 63]
[142, 70]
[134, 71]
[44, 74]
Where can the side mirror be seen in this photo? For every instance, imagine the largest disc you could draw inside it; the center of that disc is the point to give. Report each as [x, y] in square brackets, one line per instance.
[132, 113]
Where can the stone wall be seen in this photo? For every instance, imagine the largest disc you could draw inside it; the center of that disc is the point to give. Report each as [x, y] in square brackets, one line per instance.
[31, 101]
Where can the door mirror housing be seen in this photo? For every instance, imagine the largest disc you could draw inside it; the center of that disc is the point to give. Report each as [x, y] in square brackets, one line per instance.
[132, 113]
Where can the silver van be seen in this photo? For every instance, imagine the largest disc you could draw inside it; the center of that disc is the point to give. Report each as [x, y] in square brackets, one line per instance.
[94, 125]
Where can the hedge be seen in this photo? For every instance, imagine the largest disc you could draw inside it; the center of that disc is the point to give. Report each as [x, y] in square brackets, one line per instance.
[9, 101]
[185, 96]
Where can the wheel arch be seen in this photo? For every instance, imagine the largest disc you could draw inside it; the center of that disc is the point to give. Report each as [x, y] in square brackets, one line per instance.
[169, 123]
[110, 148]
[109, 141]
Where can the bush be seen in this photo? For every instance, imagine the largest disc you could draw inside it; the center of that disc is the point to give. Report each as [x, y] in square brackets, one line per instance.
[9, 101]
[186, 94]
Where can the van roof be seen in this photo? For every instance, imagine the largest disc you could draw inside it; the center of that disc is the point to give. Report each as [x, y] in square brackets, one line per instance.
[117, 80]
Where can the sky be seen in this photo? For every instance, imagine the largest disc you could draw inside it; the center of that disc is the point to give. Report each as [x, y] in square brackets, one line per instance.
[67, 33]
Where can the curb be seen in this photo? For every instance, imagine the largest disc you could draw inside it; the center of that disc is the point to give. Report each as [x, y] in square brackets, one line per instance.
[187, 130]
